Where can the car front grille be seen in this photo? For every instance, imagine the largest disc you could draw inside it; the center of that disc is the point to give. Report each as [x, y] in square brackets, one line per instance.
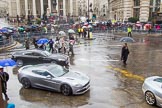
[84, 88]
[86, 84]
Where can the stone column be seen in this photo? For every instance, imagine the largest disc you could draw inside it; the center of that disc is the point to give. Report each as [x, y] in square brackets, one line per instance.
[161, 6]
[57, 7]
[26, 8]
[10, 10]
[18, 7]
[71, 7]
[34, 9]
[49, 5]
[127, 9]
[144, 10]
[42, 8]
[64, 7]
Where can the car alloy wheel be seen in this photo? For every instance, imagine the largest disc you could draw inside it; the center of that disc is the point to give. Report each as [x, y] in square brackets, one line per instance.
[150, 98]
[26, 83]
[19, 63]
[66, 90]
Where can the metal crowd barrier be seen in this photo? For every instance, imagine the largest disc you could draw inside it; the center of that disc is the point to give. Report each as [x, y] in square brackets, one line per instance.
[6, 42]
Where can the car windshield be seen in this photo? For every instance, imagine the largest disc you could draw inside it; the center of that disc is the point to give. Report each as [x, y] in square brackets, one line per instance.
[57, 71]
[46, 53]
[158, 80]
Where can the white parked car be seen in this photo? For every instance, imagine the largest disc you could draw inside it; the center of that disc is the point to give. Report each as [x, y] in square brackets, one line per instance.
[152, 89]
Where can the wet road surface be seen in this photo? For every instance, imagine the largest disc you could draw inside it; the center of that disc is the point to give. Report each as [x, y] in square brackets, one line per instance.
[112, 84]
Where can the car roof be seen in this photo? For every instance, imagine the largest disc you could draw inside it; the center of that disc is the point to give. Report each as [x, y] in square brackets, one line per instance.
[153, 79]
[27, 51]
[44, 66]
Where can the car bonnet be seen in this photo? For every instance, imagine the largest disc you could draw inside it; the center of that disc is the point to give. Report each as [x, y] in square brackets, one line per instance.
[76, 77]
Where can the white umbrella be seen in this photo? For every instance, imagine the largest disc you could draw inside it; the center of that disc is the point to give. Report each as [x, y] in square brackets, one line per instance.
[138, 24]
[62, 33]
[84, 27]
[89, 26]
[71, 31]
[54, 25]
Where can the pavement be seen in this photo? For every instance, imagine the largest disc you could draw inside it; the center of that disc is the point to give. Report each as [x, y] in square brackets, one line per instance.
[12, 46]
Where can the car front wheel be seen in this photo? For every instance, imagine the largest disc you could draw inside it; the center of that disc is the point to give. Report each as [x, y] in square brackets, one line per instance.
[66, 90]
[150, 98]
[26, 83]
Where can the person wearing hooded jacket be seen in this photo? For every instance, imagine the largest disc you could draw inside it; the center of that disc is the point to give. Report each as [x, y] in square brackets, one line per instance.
[124, 54]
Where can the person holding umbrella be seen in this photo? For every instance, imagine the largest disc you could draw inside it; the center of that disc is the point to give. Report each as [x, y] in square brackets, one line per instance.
[4, 78]
[51, 43]
[27, 42]
[42, 46]
[124, 53]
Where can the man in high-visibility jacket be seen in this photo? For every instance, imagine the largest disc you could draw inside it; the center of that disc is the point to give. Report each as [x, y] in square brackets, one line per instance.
[129, 30]
[79, 31]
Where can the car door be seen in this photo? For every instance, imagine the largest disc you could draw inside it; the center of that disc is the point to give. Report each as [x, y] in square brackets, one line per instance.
[44, 80]
[28, 58]
[39, 58]
[51, 81]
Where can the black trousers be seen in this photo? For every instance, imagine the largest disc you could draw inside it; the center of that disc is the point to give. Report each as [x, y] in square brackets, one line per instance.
[129, 34]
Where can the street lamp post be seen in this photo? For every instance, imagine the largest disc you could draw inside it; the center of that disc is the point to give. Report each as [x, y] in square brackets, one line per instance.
[88, 20]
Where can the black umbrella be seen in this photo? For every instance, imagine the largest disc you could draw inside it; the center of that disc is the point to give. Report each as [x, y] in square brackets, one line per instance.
[127, 39]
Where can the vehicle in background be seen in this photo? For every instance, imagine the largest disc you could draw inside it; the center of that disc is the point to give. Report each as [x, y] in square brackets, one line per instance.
[36, 56]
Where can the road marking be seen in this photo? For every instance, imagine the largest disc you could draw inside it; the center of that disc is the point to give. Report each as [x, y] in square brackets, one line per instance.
[127, 73]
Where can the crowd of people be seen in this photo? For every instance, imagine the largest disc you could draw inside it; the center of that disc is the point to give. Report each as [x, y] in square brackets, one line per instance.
[57, 45]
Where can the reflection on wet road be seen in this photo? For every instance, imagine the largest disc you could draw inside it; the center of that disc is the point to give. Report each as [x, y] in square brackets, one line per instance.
[112, 84]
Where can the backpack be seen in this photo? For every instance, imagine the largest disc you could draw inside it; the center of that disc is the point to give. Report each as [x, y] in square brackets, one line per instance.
[4, 76]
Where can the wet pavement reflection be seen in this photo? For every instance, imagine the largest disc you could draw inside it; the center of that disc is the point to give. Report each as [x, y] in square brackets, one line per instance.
[112, 84]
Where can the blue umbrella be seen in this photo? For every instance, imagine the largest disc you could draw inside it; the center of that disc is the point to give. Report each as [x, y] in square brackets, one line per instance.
[42, 41]
[3, 30]
[127, 39]
[7, 62]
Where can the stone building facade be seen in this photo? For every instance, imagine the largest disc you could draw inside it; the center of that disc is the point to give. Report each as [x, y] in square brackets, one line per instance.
[39, 7]
[3, 8]
[121, 10]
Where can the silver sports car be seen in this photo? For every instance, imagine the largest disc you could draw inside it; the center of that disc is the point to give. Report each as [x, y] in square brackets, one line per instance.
[53, 77]
[152, 88]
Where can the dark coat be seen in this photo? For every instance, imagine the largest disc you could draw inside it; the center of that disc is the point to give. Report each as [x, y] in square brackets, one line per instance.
[124, 53]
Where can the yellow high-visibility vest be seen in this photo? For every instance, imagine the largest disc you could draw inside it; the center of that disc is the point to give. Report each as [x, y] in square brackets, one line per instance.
[78, 29]
[129, 29]
[81, 30]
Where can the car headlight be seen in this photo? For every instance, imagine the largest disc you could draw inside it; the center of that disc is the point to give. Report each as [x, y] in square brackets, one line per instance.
[61, 59]
[78, 85]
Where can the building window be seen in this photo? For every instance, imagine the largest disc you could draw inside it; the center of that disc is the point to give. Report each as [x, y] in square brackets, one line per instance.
[136, 12]
[154, 2]
[150, 13]
[154, 7]
[136, 2]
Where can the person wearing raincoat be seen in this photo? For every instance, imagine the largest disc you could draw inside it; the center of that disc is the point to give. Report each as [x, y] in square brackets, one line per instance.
[124, 54]
[4, 78]
[129, 30]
